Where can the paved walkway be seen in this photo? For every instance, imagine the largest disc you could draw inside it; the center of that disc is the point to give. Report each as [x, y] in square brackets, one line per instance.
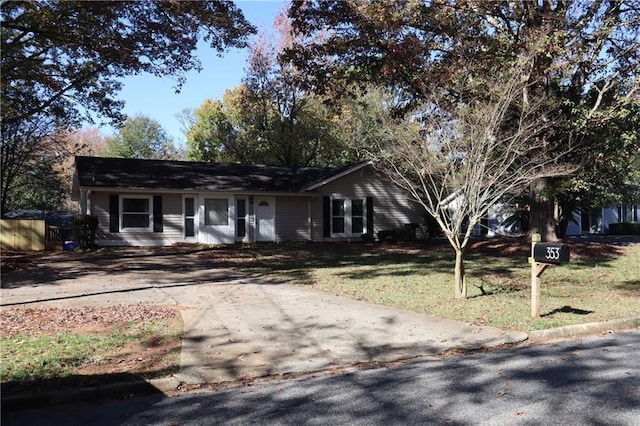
[239, 327]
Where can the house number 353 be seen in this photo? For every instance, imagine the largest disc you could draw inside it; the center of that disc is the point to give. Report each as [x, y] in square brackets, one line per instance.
[553, 253]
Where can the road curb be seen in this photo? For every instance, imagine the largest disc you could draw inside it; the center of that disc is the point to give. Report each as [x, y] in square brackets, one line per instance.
[577, 330]
[126, 389]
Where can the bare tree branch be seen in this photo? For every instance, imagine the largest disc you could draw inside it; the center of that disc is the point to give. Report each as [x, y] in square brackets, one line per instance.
[459, 162]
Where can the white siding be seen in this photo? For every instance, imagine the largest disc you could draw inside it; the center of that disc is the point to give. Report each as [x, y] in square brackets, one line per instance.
[392, 207]
[217, 234]
[609, 216]
[292, 222]
[171, 218]
[99, 207]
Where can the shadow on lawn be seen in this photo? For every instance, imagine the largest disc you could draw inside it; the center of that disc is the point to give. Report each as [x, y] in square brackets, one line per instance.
[192, 264]
[631, 286]
[296, 261]
[567, 310]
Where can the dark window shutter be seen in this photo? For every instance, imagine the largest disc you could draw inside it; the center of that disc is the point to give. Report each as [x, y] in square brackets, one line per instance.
[369, 203]
[326, 216]
[484, 225]
[157, 213]
[114, 213]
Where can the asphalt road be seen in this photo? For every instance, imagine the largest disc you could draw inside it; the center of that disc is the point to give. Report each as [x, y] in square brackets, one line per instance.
[589, 381]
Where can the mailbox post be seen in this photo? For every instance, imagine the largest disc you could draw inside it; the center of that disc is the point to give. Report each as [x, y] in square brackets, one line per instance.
[542, 256]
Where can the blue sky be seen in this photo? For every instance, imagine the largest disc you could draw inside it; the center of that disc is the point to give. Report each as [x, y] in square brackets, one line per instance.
[155, 97]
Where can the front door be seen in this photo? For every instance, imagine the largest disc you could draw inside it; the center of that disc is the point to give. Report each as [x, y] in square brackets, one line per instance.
[265, 218]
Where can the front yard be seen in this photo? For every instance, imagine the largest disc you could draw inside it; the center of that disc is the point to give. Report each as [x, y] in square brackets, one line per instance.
[51, 347]
[602, 282]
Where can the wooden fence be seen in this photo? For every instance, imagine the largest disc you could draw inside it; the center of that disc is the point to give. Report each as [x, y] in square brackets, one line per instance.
[26, 234]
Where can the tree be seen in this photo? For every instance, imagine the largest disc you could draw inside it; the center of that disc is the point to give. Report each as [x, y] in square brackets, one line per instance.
[141, 137]
[586, 60]
[267, 119]
[62, 61]
[209, 132]
[20, 153]
[41, 188]
[59, 57]
[292, 127]
[458, 163]
[609, 175]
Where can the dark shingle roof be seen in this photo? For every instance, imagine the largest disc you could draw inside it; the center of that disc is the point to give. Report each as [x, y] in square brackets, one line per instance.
[100, 172]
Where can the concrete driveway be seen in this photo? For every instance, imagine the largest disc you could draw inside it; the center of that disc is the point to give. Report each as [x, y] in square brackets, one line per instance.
[239, 326]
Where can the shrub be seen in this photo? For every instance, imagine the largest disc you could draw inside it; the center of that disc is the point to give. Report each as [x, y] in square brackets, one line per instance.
[84, 229]
[407, 233]
[367, 237]
[431, 227]
[624, 228]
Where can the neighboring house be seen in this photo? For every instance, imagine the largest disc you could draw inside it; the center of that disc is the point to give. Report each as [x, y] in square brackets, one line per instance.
[154, 202]
[597, 221]
[594, 221]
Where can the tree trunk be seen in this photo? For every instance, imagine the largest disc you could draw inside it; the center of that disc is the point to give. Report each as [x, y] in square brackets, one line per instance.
[564, 216]
[460, 278]
[541, 213]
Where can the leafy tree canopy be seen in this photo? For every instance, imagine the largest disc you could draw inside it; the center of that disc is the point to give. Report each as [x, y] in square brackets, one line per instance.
[61, 56]
[580, 45]
[268, 119]
[586, 64]
[143, 138]
[41, 188]
[62, 61]
[209, 132]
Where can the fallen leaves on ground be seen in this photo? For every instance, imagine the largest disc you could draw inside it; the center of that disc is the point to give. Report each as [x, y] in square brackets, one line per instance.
[41, 320]
[150, 353]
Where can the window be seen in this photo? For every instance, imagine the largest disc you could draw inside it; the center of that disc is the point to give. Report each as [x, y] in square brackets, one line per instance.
[241, 205]
[348, 217]
[136, 212]
[189, 217]
[337, 214]
[216, 212]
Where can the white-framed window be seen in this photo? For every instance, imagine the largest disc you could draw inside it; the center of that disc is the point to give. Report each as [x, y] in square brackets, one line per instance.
[136, 212]
[348, 217]
[216, 212]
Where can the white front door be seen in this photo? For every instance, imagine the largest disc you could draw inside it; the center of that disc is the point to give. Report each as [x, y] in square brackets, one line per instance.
[265, 218]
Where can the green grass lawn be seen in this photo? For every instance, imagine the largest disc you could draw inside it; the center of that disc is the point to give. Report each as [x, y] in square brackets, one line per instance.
[36, 361]
[602, 282]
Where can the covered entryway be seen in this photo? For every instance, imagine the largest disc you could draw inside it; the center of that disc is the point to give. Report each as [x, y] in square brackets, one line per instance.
[265, 210]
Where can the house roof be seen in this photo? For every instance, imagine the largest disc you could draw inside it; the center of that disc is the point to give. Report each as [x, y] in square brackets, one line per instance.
[98, 172]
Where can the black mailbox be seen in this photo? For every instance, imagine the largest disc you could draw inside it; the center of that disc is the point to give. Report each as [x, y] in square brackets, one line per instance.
[551, 253]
